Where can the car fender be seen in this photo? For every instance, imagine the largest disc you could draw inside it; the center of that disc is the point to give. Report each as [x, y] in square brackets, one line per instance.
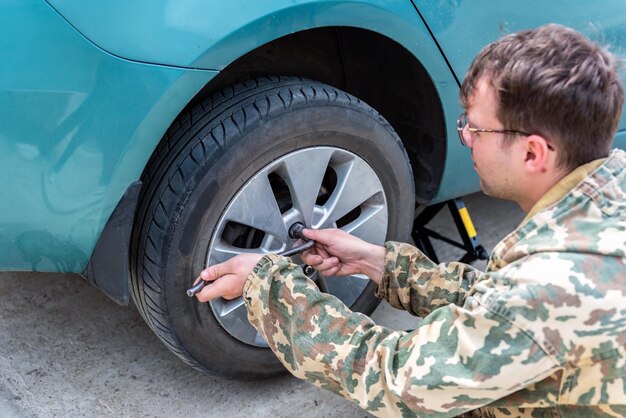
[211, 34]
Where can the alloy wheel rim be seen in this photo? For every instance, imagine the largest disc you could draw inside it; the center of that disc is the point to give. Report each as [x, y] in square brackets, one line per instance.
[321, 187]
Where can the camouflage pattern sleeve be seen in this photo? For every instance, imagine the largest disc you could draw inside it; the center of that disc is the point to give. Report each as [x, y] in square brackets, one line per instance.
[411, 281]
[458, 359]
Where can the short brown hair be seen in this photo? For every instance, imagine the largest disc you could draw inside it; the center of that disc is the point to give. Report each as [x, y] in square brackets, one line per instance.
[555, 82]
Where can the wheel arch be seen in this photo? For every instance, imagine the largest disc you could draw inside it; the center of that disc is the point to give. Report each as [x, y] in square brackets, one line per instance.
[370, 66]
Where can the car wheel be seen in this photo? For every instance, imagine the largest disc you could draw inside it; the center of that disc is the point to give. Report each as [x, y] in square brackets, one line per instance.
[231, 176]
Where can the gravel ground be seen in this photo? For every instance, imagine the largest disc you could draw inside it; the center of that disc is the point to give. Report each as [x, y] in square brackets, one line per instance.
[66, 350]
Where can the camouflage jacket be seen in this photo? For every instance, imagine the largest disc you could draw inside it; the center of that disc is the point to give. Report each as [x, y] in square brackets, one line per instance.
[542, 332]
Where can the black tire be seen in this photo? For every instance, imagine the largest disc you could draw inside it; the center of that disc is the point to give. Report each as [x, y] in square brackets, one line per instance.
[201, 163]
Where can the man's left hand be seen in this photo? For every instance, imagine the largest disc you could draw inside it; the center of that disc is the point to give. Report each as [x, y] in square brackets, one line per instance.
[227, 278]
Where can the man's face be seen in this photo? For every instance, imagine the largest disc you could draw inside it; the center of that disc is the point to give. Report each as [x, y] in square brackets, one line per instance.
[493, 156]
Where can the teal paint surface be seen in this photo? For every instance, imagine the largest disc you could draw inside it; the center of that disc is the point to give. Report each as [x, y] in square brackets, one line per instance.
[76, 128]
[211, 34]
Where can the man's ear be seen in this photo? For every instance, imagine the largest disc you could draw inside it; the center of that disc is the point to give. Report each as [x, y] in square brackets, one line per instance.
[538, 157]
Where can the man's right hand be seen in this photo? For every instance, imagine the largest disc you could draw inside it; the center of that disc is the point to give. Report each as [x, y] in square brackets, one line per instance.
[337, 253]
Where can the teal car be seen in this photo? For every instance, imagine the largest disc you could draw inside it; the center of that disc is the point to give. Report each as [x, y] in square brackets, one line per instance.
[143, 140]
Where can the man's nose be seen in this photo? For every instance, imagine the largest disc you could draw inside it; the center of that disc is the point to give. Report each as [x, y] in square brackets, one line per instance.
[469, 140]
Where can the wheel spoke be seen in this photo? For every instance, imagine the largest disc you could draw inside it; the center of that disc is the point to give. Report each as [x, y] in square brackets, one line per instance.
[371, 225]
[256, 206]
[234, 308]
[233, 315]
[359, 277]
[356, 182]
[347, 288]
[304, 173]
[222, 251]
[259, 340]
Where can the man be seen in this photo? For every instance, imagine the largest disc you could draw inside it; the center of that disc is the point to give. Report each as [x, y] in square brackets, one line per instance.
[543, 331]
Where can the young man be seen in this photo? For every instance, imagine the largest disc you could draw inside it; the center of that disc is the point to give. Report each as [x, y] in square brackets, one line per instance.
[543, 331]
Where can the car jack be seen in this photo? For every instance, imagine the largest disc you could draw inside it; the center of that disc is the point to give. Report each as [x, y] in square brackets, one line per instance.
[470, 243]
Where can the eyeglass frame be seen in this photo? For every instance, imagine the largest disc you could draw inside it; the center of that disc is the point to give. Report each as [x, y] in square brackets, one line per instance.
[460, 129]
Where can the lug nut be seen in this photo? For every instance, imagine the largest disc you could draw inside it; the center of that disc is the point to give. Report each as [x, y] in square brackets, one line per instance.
[295, 230]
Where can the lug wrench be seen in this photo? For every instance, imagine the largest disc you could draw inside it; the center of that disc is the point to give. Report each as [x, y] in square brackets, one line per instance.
[295, 232]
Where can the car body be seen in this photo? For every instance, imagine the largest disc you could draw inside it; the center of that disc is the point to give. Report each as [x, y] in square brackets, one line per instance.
[90, 90]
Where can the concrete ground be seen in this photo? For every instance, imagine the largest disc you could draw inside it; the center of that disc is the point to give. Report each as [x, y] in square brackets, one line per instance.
[66, 350]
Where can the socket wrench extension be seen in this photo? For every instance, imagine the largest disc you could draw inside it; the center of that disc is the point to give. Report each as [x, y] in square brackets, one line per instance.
[295, 232]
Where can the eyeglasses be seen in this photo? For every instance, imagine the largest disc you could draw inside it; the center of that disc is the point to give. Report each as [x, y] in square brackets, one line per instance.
[462, 126]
